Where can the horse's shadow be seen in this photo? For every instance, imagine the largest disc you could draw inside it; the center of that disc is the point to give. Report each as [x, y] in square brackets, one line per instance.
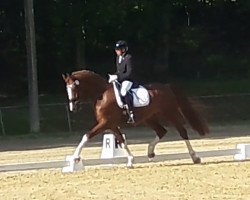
[207, 163]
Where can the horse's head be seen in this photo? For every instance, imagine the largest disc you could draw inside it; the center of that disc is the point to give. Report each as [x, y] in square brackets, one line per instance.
[72, 87]
[84, 86]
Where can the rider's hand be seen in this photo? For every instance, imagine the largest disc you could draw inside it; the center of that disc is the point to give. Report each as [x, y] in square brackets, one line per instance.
[112, 78]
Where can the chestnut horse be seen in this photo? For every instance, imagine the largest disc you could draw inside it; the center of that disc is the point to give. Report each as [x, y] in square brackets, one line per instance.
[167, 106]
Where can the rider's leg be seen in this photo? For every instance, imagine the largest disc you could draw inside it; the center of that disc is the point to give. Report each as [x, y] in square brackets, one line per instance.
[125, 87]
[129, 109]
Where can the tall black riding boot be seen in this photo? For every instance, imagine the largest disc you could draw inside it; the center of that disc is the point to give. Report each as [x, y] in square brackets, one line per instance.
[128, 106]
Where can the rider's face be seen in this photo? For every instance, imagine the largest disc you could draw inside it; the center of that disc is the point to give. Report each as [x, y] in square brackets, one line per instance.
[119, 52]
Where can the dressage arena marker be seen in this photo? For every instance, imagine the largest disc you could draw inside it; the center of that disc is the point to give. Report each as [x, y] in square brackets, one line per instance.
[111, 148]
[241, 152]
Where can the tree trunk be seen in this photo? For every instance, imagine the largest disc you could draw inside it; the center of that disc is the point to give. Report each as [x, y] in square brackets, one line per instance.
[32, 67]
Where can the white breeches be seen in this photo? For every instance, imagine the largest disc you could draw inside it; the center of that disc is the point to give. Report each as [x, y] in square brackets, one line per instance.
[126, 85]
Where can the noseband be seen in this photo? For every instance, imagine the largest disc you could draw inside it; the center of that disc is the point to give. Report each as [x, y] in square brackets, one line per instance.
[74, 100]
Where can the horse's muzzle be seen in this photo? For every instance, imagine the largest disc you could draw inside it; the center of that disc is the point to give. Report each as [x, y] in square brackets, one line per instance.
[74, 105]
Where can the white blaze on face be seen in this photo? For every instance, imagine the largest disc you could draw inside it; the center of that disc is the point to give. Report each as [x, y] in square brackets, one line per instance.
[70, 96]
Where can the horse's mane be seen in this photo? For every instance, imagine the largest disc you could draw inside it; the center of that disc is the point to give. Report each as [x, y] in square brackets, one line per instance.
[88, 75]
[83, 72]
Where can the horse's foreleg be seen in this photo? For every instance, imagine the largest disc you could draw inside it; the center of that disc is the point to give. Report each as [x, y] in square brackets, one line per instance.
[124, 145]
[129, 154]
[94, 131]
[78, 149]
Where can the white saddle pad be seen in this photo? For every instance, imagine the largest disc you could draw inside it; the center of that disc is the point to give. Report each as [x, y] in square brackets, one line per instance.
[140, 96]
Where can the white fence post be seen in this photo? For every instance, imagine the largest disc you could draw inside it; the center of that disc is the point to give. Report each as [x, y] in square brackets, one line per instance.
[2, 124]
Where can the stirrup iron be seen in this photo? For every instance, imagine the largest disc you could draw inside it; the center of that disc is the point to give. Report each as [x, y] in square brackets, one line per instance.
[131, 119]
[130, 114]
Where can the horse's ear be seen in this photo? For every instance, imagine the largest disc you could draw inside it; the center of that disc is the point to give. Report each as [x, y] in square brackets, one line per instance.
[64, 77]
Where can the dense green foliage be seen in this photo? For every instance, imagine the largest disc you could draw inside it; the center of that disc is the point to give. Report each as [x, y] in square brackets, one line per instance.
[169, 39]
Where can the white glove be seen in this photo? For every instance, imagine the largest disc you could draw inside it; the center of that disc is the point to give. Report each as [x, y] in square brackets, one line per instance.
[112, 78]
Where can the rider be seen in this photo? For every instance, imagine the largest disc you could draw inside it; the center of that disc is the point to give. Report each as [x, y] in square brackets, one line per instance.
[125, 75]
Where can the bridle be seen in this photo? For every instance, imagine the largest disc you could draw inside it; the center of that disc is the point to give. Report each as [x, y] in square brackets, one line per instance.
[74, 100]
[69, 87]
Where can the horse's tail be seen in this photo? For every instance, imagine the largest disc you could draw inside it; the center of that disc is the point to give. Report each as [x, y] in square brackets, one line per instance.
[197, 122]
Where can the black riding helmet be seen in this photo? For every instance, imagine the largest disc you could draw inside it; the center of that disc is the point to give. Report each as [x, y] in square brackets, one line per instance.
[121, 44]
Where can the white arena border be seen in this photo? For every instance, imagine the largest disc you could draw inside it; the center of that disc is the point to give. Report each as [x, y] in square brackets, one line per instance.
[240, 153]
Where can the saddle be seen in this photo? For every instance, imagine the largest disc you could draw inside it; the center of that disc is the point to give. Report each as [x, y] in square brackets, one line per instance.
[139, 96]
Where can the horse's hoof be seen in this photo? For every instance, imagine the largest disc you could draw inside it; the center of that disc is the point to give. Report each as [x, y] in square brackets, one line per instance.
[151, 156]
[130, 166]
[150, 159]
[77, 160]
[130, 162]
[197, 160]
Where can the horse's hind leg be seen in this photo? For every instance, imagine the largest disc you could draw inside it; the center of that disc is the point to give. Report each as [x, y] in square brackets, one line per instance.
[160, 132]
[184, 135]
